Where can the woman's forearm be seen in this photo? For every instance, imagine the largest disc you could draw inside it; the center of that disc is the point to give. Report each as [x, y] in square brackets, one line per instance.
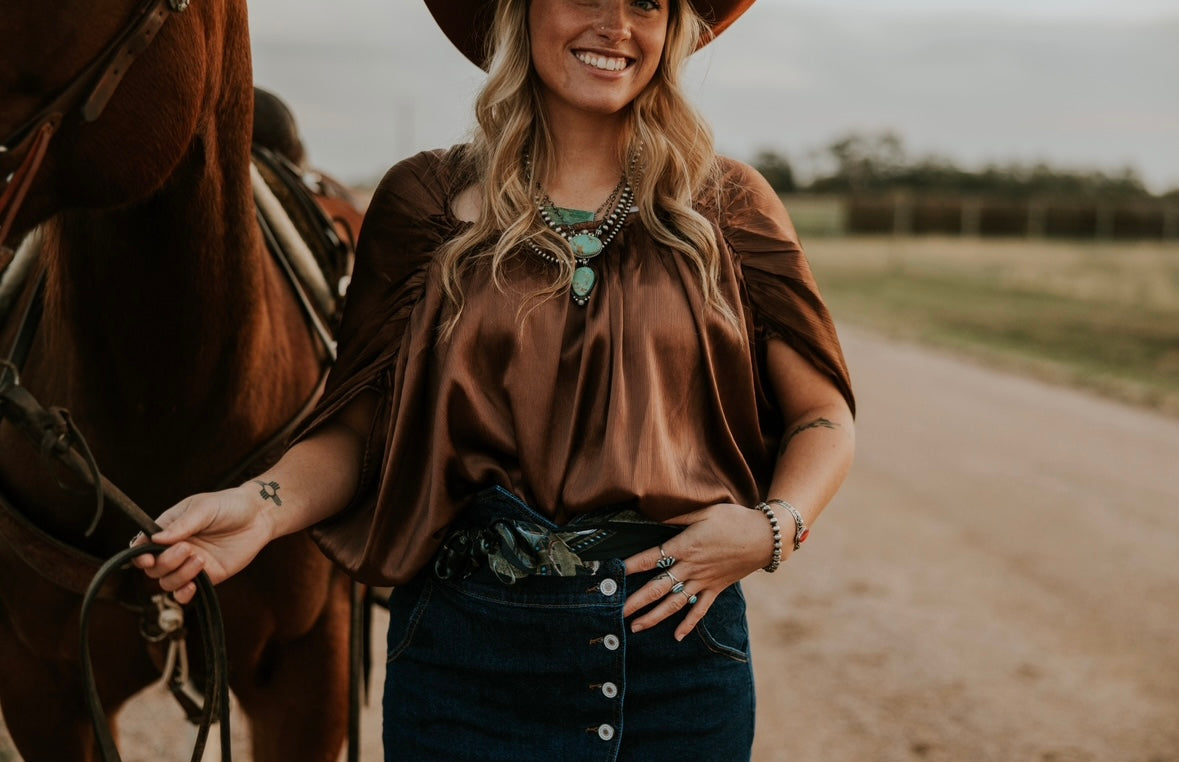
[317, 477]
[819, 442]
[814, 459]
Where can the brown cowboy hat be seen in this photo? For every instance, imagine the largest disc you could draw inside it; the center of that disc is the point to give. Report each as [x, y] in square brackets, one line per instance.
[466, 22]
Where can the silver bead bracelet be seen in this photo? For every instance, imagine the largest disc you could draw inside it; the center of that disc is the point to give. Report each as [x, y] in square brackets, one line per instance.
[776, 559]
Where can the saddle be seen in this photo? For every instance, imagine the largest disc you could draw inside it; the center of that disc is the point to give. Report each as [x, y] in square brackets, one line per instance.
[313, 220]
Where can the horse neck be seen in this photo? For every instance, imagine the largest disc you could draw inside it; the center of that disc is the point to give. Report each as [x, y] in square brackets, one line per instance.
[176, 326]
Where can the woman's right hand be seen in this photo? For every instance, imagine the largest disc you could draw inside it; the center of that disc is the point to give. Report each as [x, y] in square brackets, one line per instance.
[216, 532]
[221, 532]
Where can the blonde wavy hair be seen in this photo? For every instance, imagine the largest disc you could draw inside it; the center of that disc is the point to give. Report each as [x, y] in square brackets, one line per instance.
[673, 143]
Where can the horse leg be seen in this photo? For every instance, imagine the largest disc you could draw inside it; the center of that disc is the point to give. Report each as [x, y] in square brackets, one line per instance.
[297, 696]
[45, 721]
[45, 708]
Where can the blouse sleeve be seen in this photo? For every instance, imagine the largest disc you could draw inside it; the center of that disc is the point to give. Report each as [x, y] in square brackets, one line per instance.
[781, 291]
[400, 233]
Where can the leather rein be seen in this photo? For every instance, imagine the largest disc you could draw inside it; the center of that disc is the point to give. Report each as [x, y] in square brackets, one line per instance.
[56, 435]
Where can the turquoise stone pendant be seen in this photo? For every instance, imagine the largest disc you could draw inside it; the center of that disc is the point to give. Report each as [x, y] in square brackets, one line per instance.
[584, 280]
[586, 245]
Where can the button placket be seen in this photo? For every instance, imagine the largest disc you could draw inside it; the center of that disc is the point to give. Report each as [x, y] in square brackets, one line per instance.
[608, 689]
[607, 693]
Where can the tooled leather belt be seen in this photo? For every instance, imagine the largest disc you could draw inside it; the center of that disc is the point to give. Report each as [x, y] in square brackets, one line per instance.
[512, 549]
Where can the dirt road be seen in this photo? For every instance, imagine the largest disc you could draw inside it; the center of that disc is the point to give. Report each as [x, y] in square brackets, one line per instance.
[998, 580]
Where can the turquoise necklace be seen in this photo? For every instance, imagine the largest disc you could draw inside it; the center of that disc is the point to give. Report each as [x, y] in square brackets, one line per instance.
[585, 244]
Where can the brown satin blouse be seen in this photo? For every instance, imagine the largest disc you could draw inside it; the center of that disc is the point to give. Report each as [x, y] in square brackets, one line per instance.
[644, 396]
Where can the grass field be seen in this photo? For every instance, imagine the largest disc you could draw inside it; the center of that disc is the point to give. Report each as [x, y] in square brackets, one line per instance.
[1104, 316]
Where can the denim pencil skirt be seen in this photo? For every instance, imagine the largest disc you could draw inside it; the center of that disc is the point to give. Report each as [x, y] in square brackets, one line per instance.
[546, 669]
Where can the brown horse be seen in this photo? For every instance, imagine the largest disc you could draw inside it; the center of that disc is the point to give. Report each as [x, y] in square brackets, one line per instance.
[174, 341]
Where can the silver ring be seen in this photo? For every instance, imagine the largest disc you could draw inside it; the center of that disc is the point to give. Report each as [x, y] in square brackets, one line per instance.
[671, 576]
[691, 598]
[678, 587]
[666, 562]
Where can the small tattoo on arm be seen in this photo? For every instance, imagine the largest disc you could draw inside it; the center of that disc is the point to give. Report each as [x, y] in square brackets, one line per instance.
[269, 491]
[818, 423]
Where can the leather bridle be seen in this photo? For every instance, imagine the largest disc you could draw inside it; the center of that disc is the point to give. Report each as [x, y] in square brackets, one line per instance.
[89, 92]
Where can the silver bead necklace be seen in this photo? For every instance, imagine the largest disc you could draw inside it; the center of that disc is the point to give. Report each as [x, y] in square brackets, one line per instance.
[585, 245]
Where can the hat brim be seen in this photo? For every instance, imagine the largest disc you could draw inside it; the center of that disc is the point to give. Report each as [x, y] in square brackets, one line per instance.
[466, 22]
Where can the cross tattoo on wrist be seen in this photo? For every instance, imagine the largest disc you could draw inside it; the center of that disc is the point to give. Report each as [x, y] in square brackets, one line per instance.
[269, 491]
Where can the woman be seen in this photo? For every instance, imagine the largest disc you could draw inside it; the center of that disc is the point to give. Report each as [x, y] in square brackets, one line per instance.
[576, 353]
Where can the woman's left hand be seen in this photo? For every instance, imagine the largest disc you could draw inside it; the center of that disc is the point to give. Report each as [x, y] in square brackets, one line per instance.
[720, 545]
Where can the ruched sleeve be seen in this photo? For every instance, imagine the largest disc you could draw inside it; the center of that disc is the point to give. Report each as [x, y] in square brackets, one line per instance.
[402, 229]
[781, 290]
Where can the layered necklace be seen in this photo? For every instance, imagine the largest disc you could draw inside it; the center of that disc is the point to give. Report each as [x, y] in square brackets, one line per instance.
[585, 243]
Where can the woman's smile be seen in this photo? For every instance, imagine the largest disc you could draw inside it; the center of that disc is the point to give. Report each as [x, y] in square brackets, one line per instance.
[602, 62]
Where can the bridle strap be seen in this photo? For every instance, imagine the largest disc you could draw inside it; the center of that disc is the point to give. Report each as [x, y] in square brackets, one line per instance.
[93, 88]
[125, 50]
[102, 75]
[22, 179]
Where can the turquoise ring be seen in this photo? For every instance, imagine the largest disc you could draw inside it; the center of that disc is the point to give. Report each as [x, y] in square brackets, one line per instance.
[677, 587]
[692, 600]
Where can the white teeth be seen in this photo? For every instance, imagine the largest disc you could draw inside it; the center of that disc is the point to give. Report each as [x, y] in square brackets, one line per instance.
[601, 62]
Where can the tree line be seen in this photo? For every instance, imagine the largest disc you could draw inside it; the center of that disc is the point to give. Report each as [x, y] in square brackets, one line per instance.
[870, 164]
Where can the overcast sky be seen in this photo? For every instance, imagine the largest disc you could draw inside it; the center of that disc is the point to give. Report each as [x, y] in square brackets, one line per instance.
[1084, 84]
